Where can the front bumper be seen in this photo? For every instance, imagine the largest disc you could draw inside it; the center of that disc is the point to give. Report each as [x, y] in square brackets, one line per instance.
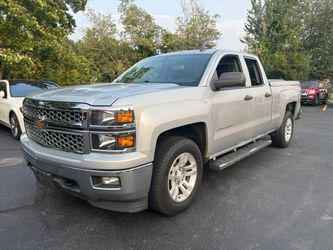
[307, 99]
[130, 196]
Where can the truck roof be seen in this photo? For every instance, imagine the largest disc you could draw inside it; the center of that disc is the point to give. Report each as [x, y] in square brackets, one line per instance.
[206, 51]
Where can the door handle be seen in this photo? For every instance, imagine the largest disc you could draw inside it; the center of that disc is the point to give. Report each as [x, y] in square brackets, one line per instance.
[248, 98]
[268, 95]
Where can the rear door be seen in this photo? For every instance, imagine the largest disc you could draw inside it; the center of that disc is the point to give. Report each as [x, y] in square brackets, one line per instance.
[262, 97]
[232, 111]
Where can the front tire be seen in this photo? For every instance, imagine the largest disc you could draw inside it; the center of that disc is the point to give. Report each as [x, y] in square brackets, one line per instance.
[15, 126]
[177, 174]
[282, 137]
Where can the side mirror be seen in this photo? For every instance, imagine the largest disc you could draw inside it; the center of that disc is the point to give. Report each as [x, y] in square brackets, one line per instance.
[230, 79]
[2, 94]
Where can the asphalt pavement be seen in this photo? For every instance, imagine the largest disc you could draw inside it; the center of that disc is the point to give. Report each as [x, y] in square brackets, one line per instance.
[275, 199]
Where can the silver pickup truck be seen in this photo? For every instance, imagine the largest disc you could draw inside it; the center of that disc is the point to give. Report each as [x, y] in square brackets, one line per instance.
[144, 140]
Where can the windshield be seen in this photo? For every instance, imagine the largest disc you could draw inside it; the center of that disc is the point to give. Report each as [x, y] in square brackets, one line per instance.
[22, 89]
[184, 70]
[309, 84]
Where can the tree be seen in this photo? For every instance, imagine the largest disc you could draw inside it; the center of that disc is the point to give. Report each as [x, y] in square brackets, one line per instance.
[169, 42]
[108, 55]
[60, 62]
[24, 24]
[255, 27]
[273, 32]
[196, 27]
[140, 29]
[318, 40]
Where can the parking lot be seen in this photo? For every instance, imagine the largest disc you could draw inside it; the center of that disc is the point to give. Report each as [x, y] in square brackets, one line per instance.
[275, 199]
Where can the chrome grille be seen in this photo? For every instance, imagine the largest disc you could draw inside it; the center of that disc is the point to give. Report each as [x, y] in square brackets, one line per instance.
[56, 139]
[74, 117]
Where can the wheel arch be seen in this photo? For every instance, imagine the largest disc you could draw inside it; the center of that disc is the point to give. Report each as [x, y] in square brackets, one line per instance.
[291, 107]
[11, 112]
[197, 132]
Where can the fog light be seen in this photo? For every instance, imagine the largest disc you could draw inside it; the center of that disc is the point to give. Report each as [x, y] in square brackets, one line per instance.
[106, 181]
[110, 180]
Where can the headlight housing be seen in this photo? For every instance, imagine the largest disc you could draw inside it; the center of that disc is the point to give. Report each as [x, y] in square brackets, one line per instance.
[112, 117]
[112, 130]
[112, 142]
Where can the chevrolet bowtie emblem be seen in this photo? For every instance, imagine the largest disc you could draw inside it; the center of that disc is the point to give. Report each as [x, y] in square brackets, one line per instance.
[39, 123]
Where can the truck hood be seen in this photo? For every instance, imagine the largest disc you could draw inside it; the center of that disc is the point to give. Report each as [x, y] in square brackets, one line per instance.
[101, 94]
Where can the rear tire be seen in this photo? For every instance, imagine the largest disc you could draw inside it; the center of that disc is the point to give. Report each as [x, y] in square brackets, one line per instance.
[282, 137]
[177, 174]
[15, 126]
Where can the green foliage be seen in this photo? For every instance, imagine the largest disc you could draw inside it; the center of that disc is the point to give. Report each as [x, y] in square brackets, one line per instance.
[108, 55]
[318, 40]
[111, 53]
[60, 62]
[196, 27]
[140, 29]
[170, 42]
[29, 22]
[273, 33]
[37, 45]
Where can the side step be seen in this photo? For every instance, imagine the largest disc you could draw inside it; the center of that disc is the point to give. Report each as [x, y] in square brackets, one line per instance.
[231, 158]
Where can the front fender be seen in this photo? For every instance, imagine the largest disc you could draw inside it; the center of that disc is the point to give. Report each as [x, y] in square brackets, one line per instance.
[18, 113]
[155, 120]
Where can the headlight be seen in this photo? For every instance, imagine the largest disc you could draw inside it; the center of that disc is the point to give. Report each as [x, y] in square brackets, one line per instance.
[110, 117]
[104, 141]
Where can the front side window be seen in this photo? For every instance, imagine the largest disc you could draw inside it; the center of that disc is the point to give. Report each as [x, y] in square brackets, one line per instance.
[22, 89]
[227, 64]
[3, 88]
[254, 72]
[183, 70]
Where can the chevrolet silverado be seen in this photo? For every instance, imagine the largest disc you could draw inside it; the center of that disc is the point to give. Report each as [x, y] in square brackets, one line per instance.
[144, 140]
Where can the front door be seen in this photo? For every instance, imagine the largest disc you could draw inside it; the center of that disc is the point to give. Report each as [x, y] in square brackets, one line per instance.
[232, 110]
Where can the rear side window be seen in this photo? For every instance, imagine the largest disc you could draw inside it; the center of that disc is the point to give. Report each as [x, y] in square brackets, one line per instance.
[254, 72]
[3, 88]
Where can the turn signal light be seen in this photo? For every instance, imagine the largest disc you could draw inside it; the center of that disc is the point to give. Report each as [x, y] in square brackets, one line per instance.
[124, 117]
[125, 142]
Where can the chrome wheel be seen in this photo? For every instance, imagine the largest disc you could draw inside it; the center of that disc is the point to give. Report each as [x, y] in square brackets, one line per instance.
[182, 177]
[14, 126]
[288, 130]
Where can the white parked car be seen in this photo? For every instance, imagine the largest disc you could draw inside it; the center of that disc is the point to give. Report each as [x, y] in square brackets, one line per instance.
[12, 93]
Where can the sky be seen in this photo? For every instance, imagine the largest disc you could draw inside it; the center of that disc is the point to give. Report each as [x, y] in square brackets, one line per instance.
[231, 23]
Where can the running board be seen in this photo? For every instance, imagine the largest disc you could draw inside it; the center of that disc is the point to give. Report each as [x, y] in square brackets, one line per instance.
[231, 158]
